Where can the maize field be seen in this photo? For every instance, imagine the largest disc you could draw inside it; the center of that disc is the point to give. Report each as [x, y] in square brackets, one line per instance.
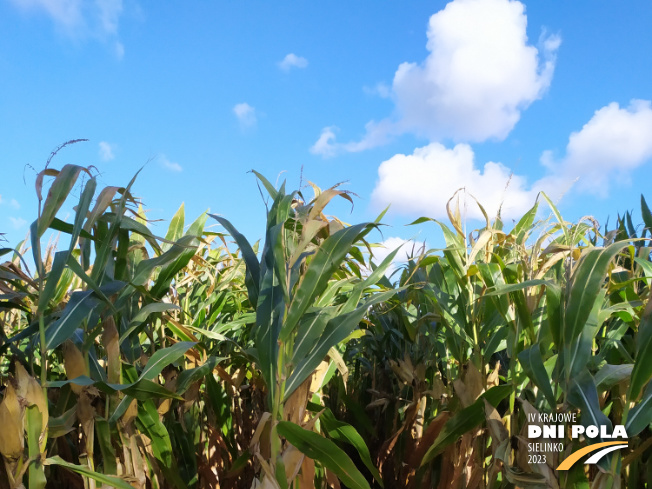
[201, 359]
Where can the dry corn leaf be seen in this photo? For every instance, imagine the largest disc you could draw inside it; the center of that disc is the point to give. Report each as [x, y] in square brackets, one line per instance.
[307, 475]
[32, 394]
[12, 439]
[110, 340]
[74, 364]
[259, 429]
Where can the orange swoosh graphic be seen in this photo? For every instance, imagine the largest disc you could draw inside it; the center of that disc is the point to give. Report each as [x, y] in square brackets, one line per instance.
[575, 456]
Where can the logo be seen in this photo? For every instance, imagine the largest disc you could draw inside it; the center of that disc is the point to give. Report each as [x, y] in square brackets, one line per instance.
[554, 427]
[607, 447]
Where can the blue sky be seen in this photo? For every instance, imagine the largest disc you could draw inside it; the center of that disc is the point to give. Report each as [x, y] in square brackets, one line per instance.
[406, 101]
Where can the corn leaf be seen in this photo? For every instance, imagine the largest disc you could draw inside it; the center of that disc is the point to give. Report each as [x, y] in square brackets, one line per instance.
[325, 452]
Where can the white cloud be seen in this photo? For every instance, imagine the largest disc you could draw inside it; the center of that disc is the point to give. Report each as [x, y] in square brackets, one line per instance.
[109, 12]
[381, 90]
[170, 165]
[13, 203]
[422, 183]
[65, 13]
[292, 61]
[106, 151]
[119, 50]
[246, 115]
[97, 19]
[479, 75]
[17, 222]
[615, 141]
[377, 134]
[325, 146]
[407, 249]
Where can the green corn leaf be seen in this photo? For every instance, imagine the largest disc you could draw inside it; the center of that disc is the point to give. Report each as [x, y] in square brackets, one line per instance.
[640, 416]
[136, 227]
[327, 259]
[268, 186]
[58, 265]
[583, 394]
[610, 375]
[642, 371]
[103, 436]
[588, 279]
[557, 215]
[578, 352]
[61, 425]
[312, 326]
[187, 377]
[344, 432]
[269, 314]
[524, 225]
[554, 312]
[356, 293]
[78, 308]
[142, 389]
[82, 211]
[145, 268]
[464, 421]
[59, 190]
[336, 330]
[197, 226]
[175, 230]
[647, 216]
[65, 227]
[325, 452]
[252, 280]
[107, 232]
[507, 288]
[164, 357]
[33, 426]
[148, 417]
[145, 312]
[77, 269]
[109, 480]
[170, 270]
[532, 364]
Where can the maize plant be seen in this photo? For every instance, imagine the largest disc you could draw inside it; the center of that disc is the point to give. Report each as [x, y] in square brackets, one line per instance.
[194, 358]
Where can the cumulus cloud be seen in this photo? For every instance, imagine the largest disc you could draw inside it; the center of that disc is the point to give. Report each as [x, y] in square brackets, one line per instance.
[109, 14]
[81, 18]
[246, 115]
[119, 49]
[106, 151]
[381, 90]
[480, 73]
[170, 165]
[13, 203]
[407, 249]
[325, 145]
[292, 61]
[423, 182]
[386, 247]
[377, 134]
[613, 143]
[17, 222]
[65, 13]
